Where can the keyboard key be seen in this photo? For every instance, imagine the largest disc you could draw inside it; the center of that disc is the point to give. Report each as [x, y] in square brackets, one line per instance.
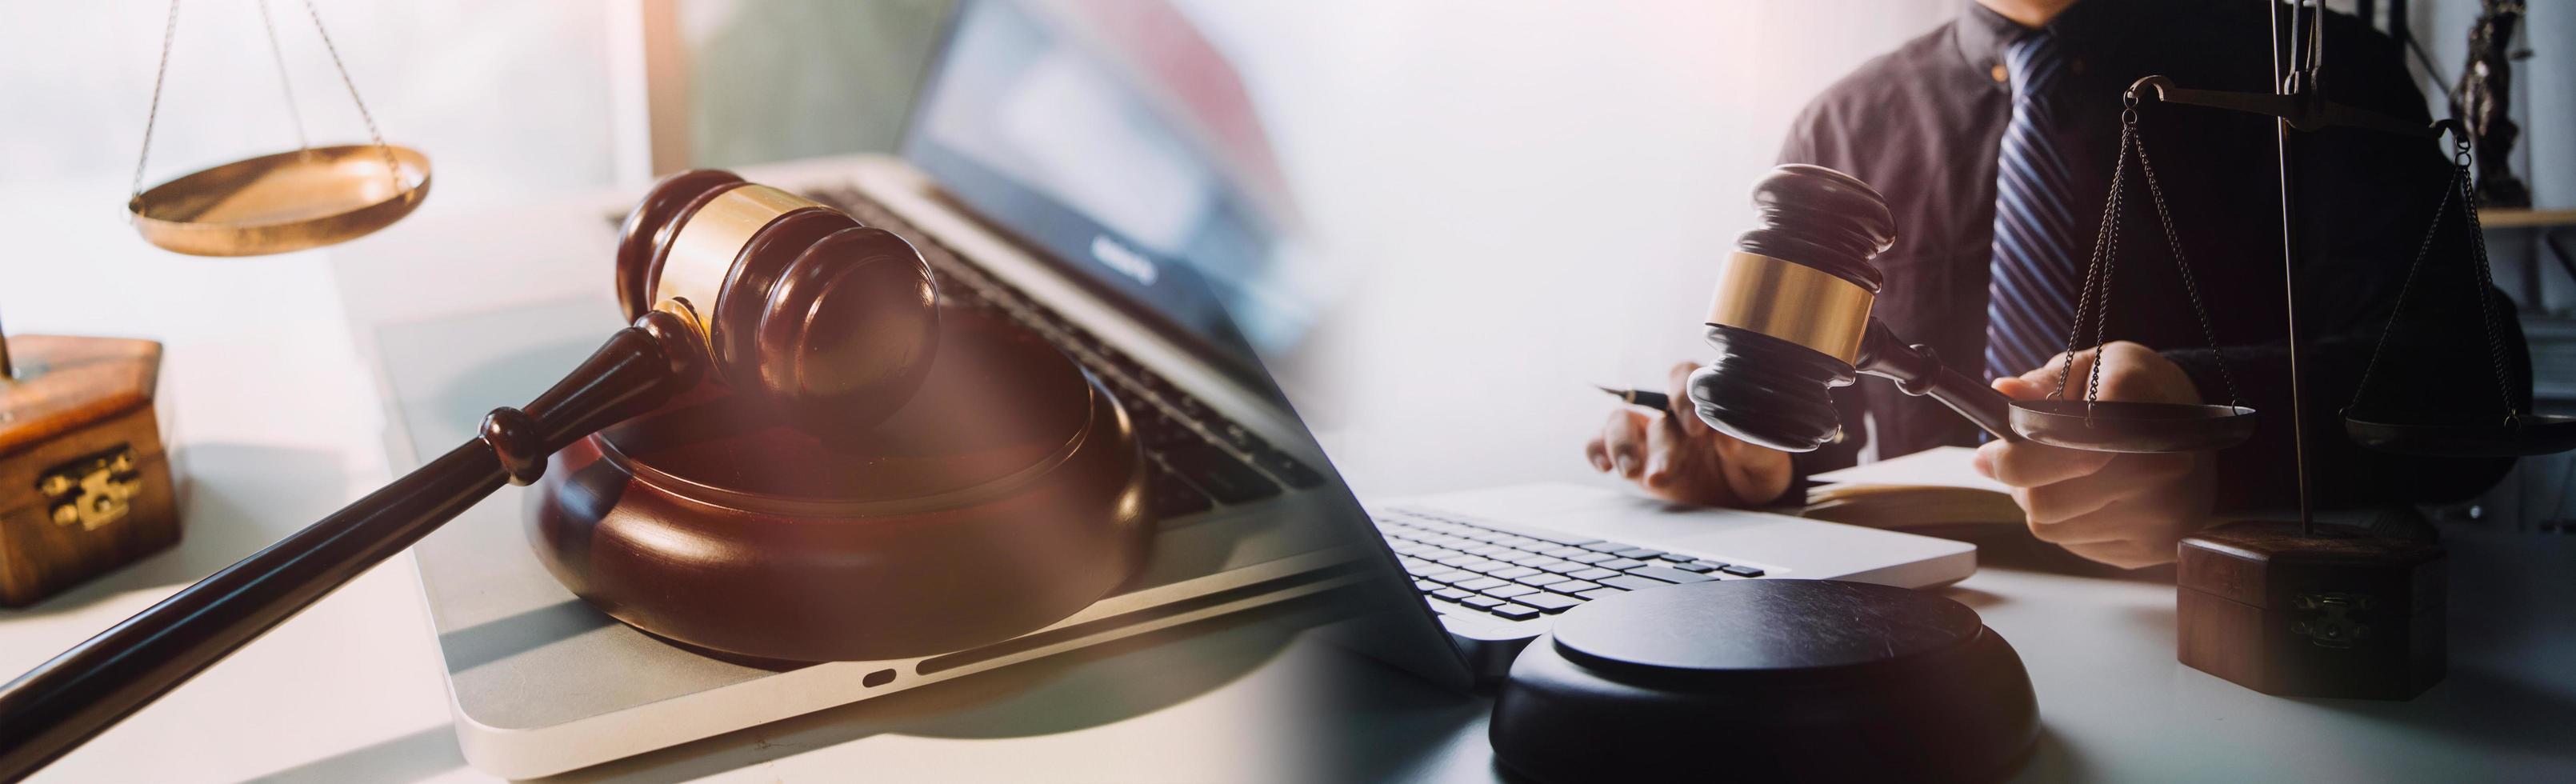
[1620, 564]
[1481, 602]
[1447, 575]
[1562, 551]
[1553, 537]
[1608, 547]
[1573, 587]
[1639, 553]
[1426, 586]
[1189, 407]
[1592, 574]
[1157, 429]
[1490, 550]
[1452, 594]
[1480, 583]
[1534, 560]
[1601, 593]
[1456, 560]
[1740, 570]
[1487, 566]
[1508, 591]
[1297, 474]
[1176, 498]
[1592, 558]
[1711, 564]
[1515, 573]
[1218, 473]
[1695, 568]
[1670, 575]
[1676, 557]
[1541, 579]
[1515, 612]
[1234, 434]
[1549, 602]
[1633, 582]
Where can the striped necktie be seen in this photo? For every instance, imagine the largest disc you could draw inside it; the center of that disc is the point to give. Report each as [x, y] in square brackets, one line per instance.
[2031, 299]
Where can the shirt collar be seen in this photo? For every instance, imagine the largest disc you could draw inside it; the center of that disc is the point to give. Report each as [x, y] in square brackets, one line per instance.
[2087, 26]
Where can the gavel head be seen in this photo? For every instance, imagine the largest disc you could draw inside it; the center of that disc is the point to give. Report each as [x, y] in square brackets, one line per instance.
[1792, 309]
[830, 323]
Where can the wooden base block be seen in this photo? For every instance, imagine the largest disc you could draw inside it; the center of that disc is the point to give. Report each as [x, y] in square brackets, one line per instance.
[2338, 614]
[84, 477]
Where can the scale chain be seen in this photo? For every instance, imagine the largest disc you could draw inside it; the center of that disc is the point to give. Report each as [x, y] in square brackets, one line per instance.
[2486, 299]
[2106, 249]
[2462, 187]
[2106, 241]
[2173, 241]
[169, 30]
[392, 171]
[285, 85]
[2404, 290]
[161, 75]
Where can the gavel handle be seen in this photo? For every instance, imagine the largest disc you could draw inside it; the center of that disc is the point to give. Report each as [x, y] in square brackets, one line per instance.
[64, 702]
[1917, 370]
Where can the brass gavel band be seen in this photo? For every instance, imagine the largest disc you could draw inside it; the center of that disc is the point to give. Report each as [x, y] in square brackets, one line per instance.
[703, 254]
[1792, 302]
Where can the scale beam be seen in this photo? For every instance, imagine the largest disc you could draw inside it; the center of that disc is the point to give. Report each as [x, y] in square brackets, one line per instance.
[2304, 111]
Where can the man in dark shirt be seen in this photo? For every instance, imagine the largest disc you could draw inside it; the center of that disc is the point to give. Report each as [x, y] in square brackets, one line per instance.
[1947, 130]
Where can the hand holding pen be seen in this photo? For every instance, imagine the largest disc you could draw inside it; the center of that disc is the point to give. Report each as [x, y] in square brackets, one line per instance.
[1659, 443]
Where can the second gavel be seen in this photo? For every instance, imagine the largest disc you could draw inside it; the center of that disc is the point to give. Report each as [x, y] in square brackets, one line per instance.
[1791, 320]
[794, 306]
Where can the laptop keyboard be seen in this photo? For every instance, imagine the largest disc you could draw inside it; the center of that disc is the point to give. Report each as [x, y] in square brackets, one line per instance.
[1520, 575]
[1202, 460]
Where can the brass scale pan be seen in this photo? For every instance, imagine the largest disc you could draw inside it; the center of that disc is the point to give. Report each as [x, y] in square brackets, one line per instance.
[284, 202]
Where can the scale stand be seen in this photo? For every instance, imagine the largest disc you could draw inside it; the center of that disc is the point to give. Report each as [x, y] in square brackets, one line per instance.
[2286, 608]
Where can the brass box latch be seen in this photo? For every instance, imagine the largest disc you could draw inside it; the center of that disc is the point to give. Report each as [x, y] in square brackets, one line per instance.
[2331, 620]
[94, 490]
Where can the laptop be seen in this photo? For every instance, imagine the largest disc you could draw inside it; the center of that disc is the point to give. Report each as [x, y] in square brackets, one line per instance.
[1096, 172]
[1089, 171]
[1494, 567]
[1072, 161]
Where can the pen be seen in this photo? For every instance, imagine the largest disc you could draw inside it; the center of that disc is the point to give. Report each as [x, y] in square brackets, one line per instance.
[1639, 397]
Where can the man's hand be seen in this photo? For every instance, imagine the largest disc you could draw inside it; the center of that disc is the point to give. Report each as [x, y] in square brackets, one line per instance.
[2127, 510]
[1678, 458]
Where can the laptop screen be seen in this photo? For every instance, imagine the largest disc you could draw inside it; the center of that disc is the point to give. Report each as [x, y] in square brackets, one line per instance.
[1115, 138]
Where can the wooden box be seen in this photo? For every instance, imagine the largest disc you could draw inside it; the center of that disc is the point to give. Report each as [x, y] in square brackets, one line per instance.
[2339, 614]
[84, 474]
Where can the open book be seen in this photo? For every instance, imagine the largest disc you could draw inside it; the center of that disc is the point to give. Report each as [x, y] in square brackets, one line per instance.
[1933, 489]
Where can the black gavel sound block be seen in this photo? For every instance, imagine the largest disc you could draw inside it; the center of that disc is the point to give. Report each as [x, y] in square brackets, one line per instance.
[1790, 680]
[793, 453]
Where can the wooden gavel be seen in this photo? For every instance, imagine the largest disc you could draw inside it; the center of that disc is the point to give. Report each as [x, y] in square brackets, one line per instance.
[1791, 320]
[787, 302]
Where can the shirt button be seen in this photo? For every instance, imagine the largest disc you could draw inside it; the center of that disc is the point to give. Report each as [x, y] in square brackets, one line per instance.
[1999, 72]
